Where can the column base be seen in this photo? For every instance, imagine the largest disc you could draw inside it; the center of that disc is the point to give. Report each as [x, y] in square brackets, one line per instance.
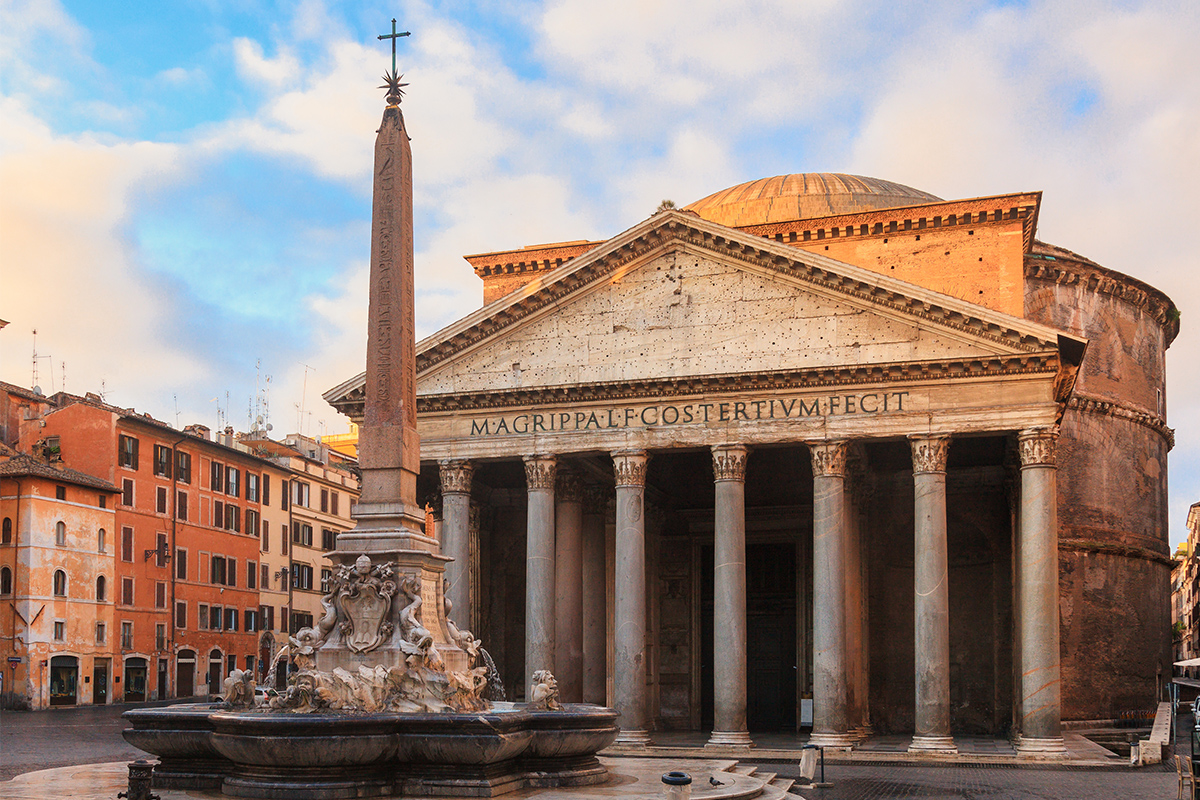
[729, 739]
[834, 741]
[943, 745]
[1051, 747]
[636, 739]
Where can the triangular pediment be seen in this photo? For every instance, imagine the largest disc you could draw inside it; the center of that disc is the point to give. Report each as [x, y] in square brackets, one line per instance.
[678, 298]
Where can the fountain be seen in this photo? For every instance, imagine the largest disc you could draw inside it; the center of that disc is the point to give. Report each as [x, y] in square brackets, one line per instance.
[388, 696]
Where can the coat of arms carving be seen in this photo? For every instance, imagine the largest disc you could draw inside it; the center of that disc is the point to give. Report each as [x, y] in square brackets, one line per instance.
[362, 596]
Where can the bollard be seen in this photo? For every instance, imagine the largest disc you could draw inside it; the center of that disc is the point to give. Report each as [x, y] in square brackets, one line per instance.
[140, 775]
[677, 786]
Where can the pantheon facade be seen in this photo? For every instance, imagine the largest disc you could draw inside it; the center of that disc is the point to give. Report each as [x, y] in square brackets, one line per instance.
[817, 451]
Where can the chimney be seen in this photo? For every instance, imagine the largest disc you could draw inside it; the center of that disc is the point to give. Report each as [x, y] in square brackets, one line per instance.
[201, 431]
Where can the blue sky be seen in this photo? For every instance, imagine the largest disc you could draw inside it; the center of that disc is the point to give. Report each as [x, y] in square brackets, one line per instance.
[184, 186]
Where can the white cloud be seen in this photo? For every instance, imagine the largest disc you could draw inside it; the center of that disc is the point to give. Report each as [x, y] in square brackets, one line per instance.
[616, 106]
[256, 68]
[1119, 174]
[67, 267]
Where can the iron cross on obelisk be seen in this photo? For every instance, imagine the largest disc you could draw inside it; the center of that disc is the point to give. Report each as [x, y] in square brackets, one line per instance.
[394, 36]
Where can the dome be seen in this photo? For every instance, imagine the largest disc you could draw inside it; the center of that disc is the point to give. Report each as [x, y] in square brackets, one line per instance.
[804, 196]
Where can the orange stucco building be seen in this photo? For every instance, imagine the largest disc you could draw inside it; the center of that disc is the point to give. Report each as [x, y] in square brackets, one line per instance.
[56, 578]
[183, 536]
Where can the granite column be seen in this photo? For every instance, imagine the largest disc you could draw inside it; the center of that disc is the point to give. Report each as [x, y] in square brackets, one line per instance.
[629, 667]
[540, 474]
[729, 598]
[568, 586]
[931, 586]
[831, 720]
[595, 597]
[456, 536]
[1041, 689]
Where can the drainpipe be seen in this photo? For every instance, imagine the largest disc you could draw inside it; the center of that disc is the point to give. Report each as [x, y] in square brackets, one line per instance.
[171, 565]
[15, 572]
[290, 565]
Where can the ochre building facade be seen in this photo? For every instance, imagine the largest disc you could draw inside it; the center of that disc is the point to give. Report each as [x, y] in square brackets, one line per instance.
[817, 451]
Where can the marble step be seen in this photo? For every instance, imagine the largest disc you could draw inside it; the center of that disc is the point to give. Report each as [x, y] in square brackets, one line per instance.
[783, 784]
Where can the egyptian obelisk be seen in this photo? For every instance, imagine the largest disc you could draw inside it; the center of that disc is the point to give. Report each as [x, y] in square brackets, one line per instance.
[390, 525]
[389, 449]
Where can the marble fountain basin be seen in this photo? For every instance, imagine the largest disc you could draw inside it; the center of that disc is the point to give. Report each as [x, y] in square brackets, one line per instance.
[344, 754]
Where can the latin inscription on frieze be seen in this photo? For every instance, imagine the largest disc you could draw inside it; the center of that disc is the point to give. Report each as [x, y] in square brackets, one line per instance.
[693, 413]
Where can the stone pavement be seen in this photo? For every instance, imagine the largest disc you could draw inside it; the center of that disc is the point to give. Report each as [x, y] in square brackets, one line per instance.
[33, 740]
[639, 778]
[987, 770]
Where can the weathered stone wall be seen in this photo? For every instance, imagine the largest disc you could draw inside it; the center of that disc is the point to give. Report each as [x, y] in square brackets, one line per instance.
[1112, 484]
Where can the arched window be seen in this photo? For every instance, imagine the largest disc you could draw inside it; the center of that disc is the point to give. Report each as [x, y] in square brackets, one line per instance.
[5, 580]
[60, 533]
[101, 541]
[101, 587]
[6, 532]
[60, 583]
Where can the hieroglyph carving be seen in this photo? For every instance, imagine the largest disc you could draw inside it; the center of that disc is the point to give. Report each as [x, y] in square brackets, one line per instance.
[540, 472]
[629, 467]
[729, 462]
[1037, 447]
[929, 453]
[456, 476]
[828, 458]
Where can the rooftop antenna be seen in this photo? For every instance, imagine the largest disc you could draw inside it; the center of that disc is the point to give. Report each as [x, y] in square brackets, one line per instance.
[35, 365]
[266, 401]
[62, 373]
[303, 395]
[103, 390]
[176, 396]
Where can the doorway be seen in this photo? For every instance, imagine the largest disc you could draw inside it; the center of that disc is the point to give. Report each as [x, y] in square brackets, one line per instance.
[771, 636]
[214, 672]
[135, 680]
[185, 673]
[770, 639]
[162, 679]
[100, 682]
[64, 679]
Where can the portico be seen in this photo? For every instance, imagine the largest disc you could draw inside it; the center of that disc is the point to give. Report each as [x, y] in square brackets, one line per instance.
[679, 422]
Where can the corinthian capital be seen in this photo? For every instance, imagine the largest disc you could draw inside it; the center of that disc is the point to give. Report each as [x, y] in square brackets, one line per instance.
[629, 467]
[540, 472]
[1038, 447]
[828, 458]
[456, 476]
[929, 452]
[568, 488]
[729, 462]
